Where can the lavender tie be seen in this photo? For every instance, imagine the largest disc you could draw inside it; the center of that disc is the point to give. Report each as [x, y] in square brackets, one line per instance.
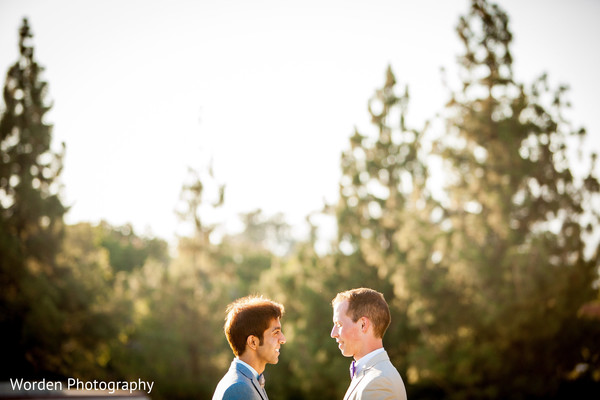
[352, 370]
[261, 381]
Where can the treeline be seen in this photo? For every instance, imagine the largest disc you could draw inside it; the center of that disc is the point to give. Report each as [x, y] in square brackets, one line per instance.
[489, 263]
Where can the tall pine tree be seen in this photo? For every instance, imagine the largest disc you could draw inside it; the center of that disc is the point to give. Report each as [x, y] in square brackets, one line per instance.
[487, 278]
[384, 200]
[31, 217]
[513, 251]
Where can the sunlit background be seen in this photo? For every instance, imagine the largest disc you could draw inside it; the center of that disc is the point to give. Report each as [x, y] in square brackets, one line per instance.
[465, 216]
[267, 91]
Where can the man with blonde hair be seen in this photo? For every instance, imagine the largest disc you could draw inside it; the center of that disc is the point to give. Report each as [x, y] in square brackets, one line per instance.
[253, 330]
[360, 319]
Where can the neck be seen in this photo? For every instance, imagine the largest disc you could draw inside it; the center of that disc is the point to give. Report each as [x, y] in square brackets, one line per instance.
[249, 357]
[368, 347]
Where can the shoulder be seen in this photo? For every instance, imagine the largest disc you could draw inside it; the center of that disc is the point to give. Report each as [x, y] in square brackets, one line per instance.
[381, 365]
[383, 388]
[235, 390]
[234, 385]
[239, 390]
[386, 368]
[383, 381]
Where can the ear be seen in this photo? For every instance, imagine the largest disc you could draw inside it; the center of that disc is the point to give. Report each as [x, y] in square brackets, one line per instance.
[252, 342]
[365, 324]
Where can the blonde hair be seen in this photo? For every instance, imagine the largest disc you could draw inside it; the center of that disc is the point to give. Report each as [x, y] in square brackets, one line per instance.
[365, 302]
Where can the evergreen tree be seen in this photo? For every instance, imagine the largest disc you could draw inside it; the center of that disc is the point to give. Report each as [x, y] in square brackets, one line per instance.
[383, 201]
[489, 278]
[31, 217]
[512, 256]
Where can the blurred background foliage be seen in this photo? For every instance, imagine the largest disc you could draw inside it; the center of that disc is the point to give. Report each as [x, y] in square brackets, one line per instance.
[474, 226]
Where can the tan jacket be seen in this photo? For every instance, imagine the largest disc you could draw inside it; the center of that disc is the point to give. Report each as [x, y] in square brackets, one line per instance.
[379, 380]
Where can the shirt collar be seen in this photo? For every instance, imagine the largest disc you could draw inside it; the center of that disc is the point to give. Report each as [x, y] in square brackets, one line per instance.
[237, 360]
[362, 363]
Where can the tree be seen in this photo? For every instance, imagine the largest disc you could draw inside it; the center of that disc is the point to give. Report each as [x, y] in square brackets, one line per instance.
[128, 251]
[384, 200]
[95, 305]
[512, 257]
[473, 271]
[31, 216]
[305, 283]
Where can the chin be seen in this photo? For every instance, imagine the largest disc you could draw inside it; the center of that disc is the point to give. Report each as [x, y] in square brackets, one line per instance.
[346, 353]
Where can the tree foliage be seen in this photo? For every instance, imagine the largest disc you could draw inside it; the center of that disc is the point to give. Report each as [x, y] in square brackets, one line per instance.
[513, 246]
[491, 275]
[31, 218]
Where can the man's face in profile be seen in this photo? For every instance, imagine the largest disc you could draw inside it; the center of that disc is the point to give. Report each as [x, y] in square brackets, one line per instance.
[273, 338]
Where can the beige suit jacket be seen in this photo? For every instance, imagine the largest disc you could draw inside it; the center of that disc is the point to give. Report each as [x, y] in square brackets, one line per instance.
[379, 380]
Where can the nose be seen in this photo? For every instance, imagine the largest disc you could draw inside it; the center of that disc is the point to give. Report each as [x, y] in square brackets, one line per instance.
[282, 338]
[334, 332]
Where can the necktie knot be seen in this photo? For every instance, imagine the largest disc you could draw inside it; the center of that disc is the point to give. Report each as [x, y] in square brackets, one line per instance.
[261, 380]
[352, 369]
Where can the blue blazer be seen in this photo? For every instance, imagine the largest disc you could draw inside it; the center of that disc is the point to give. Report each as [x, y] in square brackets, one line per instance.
[239, 383]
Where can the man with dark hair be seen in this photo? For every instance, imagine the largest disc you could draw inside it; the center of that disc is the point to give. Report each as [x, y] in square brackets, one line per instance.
[360, 319]
[253, 330]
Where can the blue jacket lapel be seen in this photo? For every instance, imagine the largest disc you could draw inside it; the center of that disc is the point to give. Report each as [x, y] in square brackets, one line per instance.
[248, 374]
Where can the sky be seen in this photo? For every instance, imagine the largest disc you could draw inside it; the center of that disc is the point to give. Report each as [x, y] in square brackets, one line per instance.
[266, 91]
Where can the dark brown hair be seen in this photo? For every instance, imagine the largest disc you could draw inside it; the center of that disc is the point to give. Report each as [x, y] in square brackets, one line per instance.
[364, 302]
[247, 316]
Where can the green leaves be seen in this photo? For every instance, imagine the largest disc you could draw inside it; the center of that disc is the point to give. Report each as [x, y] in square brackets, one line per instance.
[481, 256]
[475, 269]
